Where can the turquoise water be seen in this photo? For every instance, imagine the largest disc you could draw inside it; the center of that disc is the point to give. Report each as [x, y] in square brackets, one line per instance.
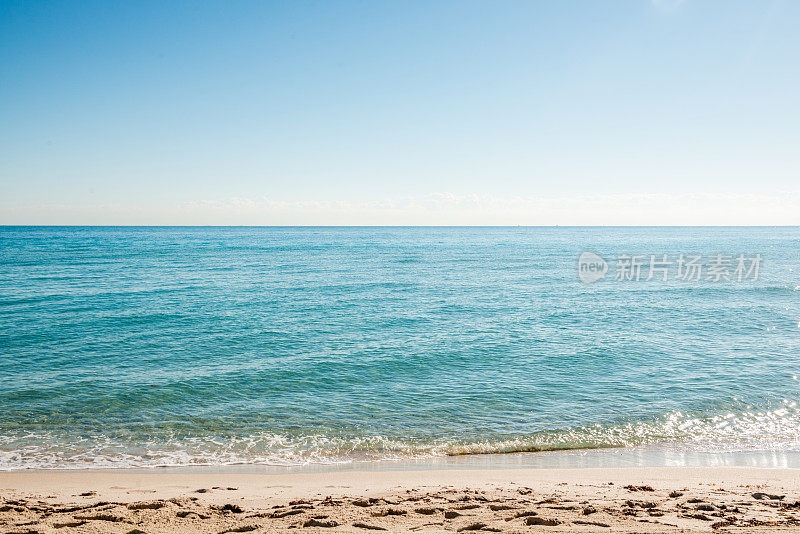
[125, 347]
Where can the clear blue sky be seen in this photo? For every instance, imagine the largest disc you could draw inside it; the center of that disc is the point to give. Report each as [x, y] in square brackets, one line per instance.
[375, 112]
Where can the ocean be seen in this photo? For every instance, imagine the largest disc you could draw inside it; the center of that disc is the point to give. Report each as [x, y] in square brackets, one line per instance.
[157, 346]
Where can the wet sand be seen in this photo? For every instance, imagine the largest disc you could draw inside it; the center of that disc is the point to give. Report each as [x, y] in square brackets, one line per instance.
[471, 500]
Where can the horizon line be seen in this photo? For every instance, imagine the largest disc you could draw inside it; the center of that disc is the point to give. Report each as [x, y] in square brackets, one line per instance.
[395, 226]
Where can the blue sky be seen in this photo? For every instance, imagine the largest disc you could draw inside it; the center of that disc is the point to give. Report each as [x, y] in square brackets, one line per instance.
[493, 112]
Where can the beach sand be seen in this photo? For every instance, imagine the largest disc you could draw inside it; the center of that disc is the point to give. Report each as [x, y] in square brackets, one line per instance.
[494, 500]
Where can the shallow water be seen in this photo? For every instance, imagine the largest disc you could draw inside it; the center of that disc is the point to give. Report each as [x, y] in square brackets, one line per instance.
[124, 347]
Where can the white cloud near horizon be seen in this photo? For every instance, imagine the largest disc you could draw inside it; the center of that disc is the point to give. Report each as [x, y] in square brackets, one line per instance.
[683, 209]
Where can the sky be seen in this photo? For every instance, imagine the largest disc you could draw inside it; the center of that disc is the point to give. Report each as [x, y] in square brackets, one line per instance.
[496, 112]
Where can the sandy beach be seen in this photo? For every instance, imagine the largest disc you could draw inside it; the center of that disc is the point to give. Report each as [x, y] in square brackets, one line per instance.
[458, 500]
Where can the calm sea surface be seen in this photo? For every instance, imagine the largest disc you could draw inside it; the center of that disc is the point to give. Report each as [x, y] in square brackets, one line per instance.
[124, 347]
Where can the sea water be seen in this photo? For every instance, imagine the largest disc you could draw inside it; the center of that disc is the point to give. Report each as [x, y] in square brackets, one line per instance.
[126, 347]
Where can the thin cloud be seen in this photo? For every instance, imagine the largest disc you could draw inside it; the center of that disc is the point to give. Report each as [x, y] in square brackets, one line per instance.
[444, 208]
[667, 5]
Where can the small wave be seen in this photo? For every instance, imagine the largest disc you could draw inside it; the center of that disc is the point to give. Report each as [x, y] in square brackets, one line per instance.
[774, 429]
[511, 447]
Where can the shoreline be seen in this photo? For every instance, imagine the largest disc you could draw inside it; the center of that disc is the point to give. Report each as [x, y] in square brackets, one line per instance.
[618, 457]
[622, 499]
